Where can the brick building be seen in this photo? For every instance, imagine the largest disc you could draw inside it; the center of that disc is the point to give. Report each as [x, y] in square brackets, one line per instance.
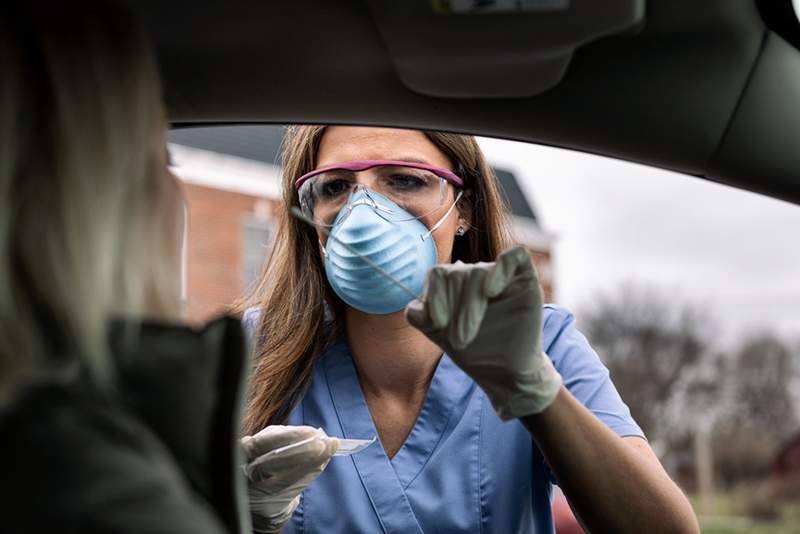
[231, 179]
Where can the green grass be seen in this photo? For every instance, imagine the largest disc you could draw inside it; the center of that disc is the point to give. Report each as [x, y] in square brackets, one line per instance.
[731, 515]
[757, 528]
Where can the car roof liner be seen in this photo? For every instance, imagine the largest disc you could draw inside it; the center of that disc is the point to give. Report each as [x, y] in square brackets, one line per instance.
[520, 49]
[703, 88]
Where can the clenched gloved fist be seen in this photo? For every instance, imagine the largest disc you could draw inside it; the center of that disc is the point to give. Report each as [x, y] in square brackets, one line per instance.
[488, 318]
[281, 462]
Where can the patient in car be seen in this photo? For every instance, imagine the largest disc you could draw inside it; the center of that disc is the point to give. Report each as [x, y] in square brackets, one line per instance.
[113, 417]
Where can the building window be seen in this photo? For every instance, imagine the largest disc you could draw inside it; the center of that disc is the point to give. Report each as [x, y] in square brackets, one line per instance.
[257, 236]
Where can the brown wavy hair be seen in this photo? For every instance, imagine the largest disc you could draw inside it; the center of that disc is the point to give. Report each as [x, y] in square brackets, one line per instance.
[292, 292]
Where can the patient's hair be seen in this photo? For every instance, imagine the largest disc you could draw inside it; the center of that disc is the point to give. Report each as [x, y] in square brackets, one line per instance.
[88, 225]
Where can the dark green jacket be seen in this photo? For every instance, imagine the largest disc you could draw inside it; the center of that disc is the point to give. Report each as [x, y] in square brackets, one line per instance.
[159, 455]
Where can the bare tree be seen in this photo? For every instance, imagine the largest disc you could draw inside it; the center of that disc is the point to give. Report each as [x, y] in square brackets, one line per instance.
[763, 414]
[765, 368]
[651, 347]
[662, 359]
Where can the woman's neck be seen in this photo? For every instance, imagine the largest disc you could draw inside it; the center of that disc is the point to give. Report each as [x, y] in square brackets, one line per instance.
[391, 356]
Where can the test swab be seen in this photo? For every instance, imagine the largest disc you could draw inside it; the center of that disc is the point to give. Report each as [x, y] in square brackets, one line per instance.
[352, 446]
[346, 447]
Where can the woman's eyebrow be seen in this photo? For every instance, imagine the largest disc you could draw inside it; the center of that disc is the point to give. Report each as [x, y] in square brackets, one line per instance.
[412, 160]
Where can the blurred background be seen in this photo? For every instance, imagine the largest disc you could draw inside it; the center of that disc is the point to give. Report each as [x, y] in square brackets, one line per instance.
[688, 290]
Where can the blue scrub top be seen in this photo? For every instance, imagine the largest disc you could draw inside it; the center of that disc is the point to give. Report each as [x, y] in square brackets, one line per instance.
[461, 469]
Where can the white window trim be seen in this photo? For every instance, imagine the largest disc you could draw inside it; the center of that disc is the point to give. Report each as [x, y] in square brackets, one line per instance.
[225, 172]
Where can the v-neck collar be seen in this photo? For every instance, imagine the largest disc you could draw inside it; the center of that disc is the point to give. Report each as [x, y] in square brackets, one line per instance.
[379, 479]
[386, 480]
[448, 386]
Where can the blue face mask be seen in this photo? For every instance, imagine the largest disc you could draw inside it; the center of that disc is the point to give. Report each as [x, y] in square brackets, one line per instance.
[392, 239]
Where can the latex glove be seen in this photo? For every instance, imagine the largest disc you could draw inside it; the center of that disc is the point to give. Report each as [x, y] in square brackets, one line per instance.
[488, 318]
[276, 478]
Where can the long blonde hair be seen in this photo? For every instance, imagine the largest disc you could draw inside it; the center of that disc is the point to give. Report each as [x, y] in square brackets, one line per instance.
[293, 295]
[85, 204]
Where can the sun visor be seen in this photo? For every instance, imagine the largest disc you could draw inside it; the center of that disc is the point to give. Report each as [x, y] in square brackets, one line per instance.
[493, 48]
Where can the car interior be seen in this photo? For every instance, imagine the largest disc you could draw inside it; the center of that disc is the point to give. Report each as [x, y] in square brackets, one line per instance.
[707, 89]
[703, 89]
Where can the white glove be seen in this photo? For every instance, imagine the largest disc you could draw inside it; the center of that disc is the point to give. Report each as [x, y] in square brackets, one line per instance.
[281, 462]
[488, 318]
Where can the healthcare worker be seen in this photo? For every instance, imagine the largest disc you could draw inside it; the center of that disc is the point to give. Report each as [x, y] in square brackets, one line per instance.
[404, 313]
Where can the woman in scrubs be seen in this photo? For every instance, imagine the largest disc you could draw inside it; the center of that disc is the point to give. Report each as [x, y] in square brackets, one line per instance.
[481, 397]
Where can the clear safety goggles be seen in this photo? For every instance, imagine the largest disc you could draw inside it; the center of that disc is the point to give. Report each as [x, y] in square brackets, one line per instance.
[418, 188]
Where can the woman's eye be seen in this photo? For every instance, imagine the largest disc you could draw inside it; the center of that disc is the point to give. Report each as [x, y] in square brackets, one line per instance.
[334, 188]
[406, 182]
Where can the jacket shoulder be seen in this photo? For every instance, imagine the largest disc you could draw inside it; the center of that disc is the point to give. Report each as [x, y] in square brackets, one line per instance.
[84, 464]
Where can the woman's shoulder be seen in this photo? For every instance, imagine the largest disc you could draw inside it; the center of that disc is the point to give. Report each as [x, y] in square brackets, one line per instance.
[555, 320]
[556, 313]
[562, 340]
[584, 373]
[92, 466]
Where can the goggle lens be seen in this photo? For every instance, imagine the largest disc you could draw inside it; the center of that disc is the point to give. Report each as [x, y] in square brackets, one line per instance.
[417, 191]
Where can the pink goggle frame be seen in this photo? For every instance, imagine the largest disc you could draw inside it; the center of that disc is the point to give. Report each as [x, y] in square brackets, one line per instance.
[362, 165]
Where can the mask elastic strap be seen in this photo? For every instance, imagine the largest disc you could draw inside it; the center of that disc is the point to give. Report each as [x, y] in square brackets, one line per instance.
[444, 217]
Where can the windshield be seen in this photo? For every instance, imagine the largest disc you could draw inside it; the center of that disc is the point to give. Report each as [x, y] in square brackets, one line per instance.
[687, 290]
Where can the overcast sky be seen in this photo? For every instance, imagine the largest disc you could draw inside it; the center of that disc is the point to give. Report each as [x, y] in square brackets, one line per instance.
[733, 253]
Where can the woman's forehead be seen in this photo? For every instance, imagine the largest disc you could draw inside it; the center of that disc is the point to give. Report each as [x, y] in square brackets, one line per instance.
[350, 143]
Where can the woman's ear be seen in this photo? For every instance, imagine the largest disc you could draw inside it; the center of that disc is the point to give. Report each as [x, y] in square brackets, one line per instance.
[465, 211]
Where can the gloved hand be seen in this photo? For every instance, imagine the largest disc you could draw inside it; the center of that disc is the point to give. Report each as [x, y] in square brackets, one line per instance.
[488, 318]
[277, 477]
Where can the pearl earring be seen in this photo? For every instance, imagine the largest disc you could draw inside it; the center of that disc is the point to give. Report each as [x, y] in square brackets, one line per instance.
[460, 231]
